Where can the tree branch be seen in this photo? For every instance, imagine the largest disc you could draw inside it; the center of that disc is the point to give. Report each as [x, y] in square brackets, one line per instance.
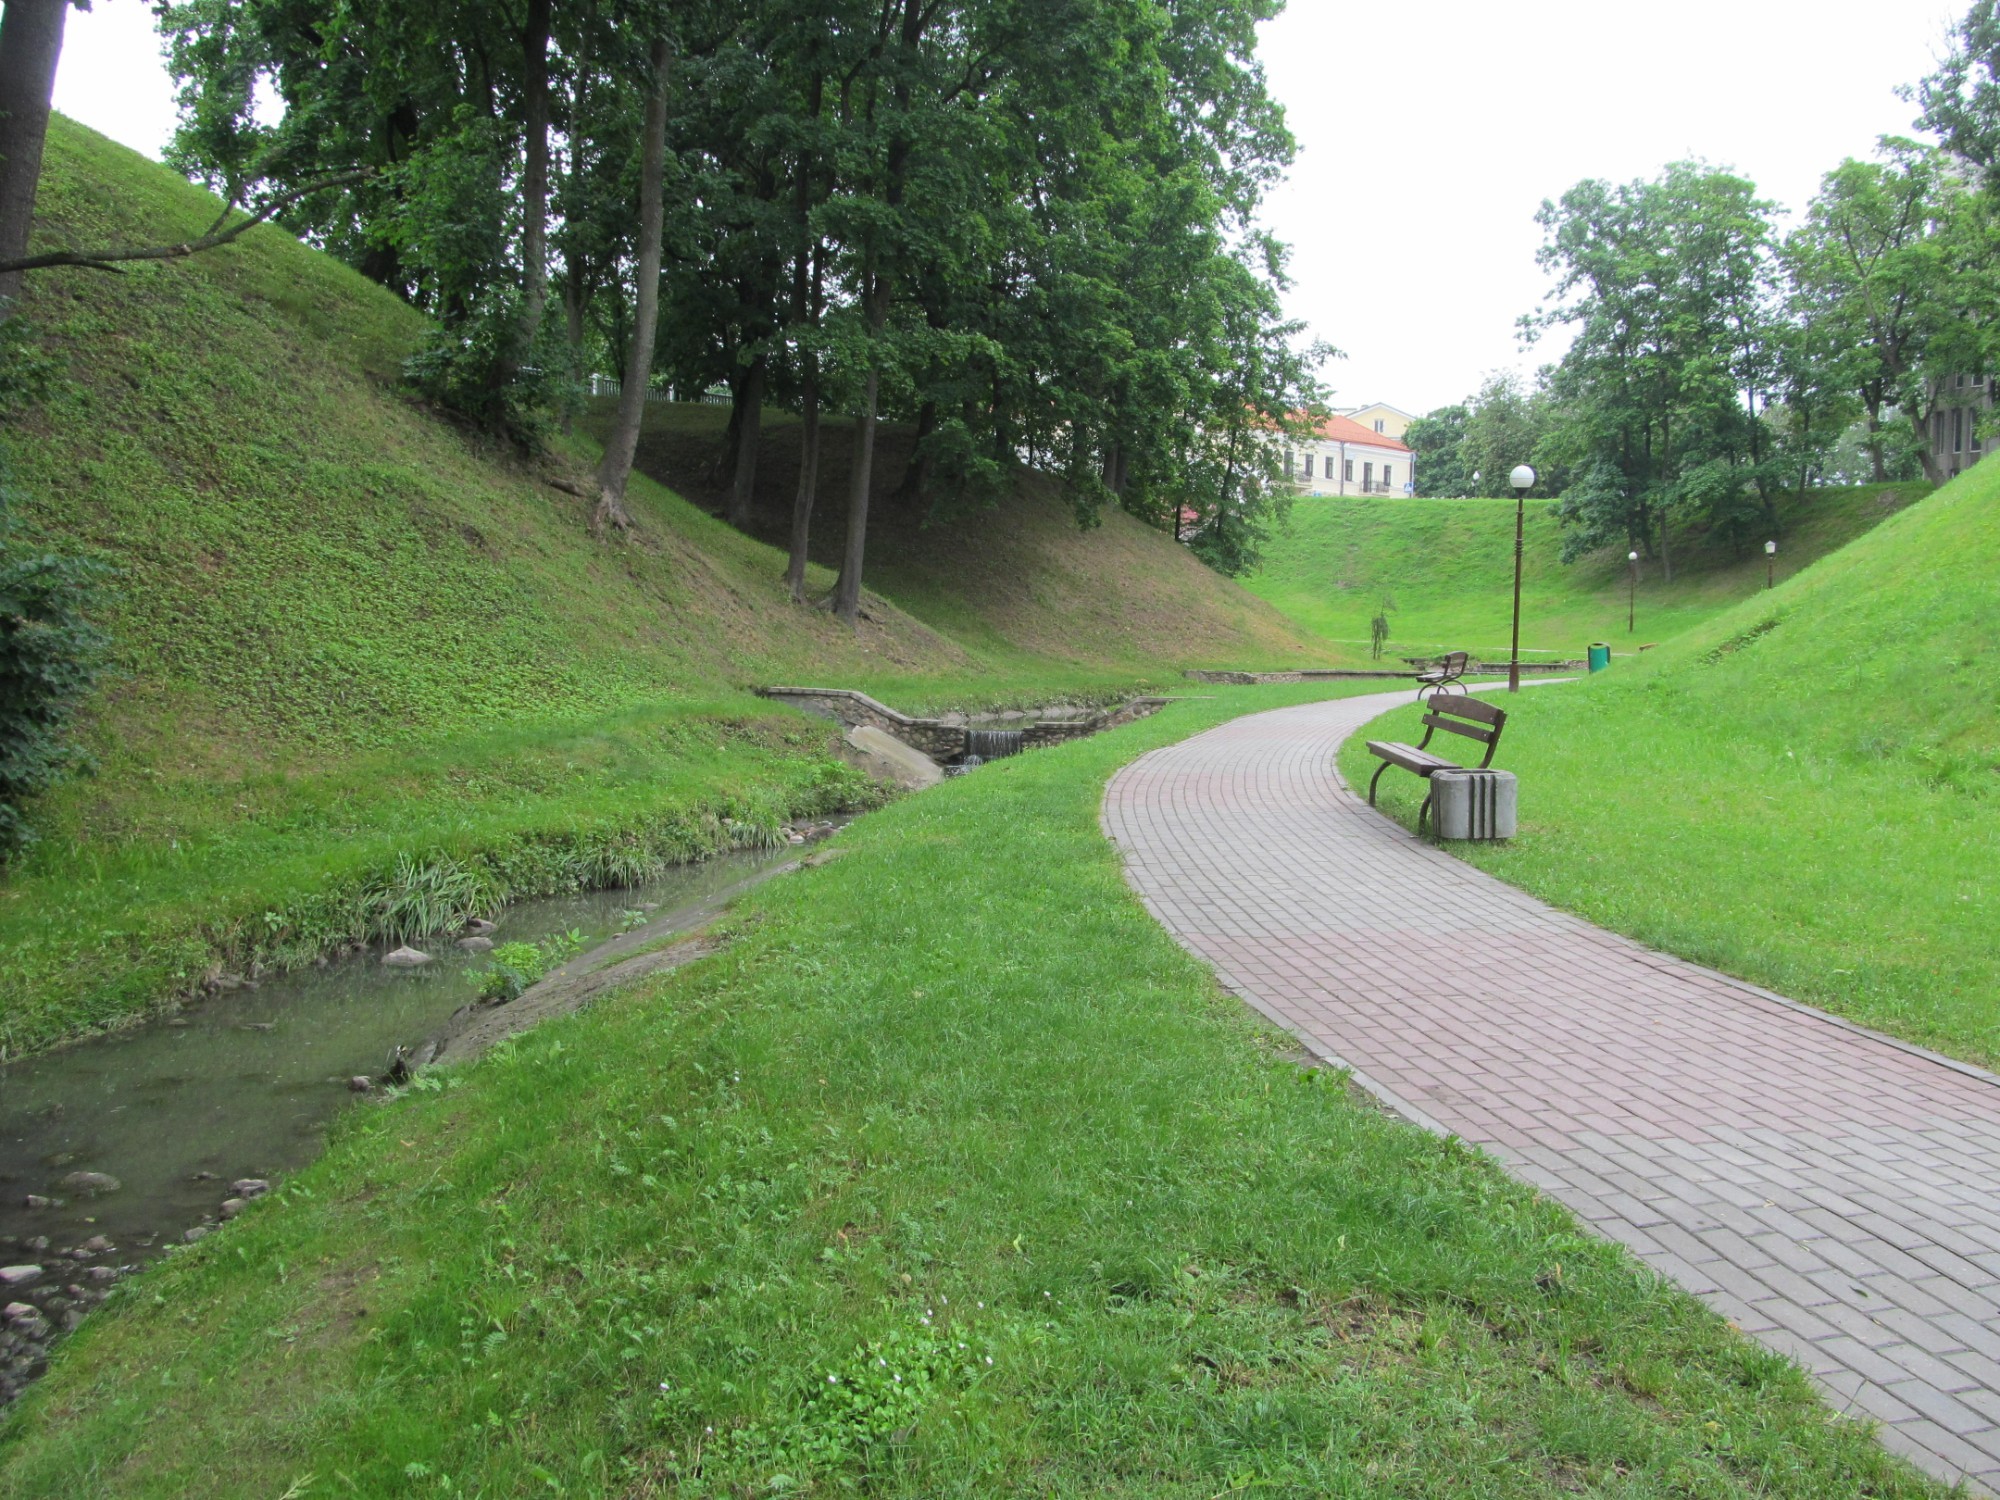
[104, 260]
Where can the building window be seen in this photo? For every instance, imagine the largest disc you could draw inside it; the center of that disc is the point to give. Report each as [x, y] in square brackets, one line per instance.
[1386, 479]
[1367, 477]
[1288, 461]
[1347, 471]
[1381, 425]
[1957, 430]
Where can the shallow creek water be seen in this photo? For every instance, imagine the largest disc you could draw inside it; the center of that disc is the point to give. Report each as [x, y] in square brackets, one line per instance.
[244, 1083]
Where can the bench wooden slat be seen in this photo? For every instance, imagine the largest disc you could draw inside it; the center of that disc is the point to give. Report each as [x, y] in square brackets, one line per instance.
[1479, 732]
[1409, 757]
[1467, 707]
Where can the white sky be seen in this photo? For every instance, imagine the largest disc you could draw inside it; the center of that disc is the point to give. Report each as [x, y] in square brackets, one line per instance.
[1430, 132]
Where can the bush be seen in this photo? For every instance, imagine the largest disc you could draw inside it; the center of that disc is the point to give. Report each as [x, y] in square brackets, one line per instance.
[472, 366]
[49, 654]
[516, 966]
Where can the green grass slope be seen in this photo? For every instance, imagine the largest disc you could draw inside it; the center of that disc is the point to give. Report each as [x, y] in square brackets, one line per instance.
[1805, 790]
[1448, 565]
[952, 1176]
[361, 659]
[1015, 581]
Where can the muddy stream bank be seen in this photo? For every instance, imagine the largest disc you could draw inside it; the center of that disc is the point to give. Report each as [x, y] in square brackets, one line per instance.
[117, 1148]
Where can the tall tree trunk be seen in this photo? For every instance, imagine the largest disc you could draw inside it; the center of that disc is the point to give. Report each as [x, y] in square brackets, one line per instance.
[615, 472]
[31, 35]
[535, 179]
[810, 303]
[1877, 460]
[749, 438]
[802, 502]
[847, 592]
[917, 472]
[1666, 557]
[574, 296]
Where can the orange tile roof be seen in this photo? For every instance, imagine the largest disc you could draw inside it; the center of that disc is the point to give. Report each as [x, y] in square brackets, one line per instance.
[1347, 430]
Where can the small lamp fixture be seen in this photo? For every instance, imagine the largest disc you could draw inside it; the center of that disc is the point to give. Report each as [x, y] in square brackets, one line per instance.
[1523, 480]
[1770, 564]
[1632, 597]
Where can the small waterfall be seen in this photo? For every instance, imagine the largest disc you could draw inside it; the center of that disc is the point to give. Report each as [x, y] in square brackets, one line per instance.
[992, 744]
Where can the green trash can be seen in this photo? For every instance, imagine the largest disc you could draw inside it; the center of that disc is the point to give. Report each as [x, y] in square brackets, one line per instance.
[1600, 655]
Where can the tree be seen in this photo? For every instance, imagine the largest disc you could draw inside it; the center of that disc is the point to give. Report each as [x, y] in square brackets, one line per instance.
[1960, 102]
[1658, 403]
[1433, 440]
[1892, 284]
[1504, 428]
[614, 472]
[31, 35]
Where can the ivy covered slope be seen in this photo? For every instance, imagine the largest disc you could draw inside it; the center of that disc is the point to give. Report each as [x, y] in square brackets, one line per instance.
[1448, 565]
[364, 666]
[1804, 790]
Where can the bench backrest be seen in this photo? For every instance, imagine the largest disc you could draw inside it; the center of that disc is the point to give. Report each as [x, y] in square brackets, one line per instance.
[1461, 713]
[1453, 662]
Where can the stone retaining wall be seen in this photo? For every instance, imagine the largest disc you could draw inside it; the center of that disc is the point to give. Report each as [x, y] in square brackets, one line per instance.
[944, 739]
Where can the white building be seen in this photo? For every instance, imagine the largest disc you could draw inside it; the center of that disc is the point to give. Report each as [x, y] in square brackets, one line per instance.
[1390, 421]
[1955, 443]
[1341, 457]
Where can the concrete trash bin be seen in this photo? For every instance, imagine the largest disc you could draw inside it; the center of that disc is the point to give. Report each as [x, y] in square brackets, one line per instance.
[1474, 804]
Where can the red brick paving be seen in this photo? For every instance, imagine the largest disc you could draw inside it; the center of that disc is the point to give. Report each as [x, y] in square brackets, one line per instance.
[1834, 1192]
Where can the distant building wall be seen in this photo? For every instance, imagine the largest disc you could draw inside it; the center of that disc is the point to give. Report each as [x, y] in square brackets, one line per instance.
[1341, 457]
[1954, 436]
[1383, 420]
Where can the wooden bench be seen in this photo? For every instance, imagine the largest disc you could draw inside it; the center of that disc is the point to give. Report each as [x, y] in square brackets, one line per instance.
[1456, 713]
[1442, 673]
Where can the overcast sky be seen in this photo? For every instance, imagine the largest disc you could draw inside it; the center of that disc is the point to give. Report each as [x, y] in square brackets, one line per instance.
[1430, 132]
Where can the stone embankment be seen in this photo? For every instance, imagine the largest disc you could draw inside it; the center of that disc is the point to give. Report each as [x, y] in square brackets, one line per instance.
[944, 738]
[48, 1289]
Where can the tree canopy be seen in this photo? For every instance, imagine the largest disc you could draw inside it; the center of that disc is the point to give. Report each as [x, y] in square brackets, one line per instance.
[1029, 231]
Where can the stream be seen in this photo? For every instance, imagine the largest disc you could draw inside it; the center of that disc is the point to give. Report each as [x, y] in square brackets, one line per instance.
[119, 1146]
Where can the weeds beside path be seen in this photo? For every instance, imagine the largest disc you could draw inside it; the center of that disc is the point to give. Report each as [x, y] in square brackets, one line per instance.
[953, 1175]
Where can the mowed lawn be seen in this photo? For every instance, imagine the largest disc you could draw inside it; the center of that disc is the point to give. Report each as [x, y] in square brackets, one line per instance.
[1804, 792]
[1446, 569]
[953, 1175]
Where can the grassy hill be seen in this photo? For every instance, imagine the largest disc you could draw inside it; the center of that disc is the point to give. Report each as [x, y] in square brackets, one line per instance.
[1448, 566]
[347, 632]
[1015, 581]
[1803, 790]
[952, 1176]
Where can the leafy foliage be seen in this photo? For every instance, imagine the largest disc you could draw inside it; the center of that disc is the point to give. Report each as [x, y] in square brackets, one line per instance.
[518, 966]
[50, 657]
[50, 652]
[1669, 287]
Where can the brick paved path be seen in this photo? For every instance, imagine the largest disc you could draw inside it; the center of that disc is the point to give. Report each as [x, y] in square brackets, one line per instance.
[1835, 1193]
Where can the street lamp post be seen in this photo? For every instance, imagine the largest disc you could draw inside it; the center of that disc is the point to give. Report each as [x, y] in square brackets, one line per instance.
[1770, 564]
[1632, 602]
[1523, 479]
